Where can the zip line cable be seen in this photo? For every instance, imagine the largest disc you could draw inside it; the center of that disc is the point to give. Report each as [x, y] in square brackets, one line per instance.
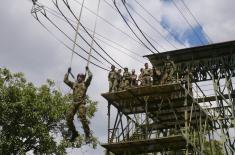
[120, 51]
[131, 28]
[165, 28]
[58, 15]
[109, 23]
[68, 37]
[36, 17]
[76, 33]
[84, 29]
[190, 12]
[151, 25]
[54, 13]
[180, 11]
[93, 35]
[138, 27]
[55, 3]
[134, 25]
[72, 40]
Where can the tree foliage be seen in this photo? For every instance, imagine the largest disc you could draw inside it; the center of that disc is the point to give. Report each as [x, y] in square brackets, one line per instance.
[33, 118]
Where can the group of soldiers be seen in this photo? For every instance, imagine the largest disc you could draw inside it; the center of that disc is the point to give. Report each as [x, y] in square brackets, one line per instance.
[147, 76]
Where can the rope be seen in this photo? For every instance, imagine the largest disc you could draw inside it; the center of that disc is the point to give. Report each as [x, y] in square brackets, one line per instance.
[36, 17]
[56, 5]
[93, 35]
[85, 31]
[76, 33]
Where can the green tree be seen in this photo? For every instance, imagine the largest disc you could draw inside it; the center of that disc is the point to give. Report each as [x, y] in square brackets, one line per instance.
[33, 118]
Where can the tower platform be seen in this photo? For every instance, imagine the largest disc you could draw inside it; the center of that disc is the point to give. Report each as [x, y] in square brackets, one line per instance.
[176, 142]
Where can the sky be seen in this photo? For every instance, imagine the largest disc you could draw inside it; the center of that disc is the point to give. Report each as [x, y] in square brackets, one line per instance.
[25, 46]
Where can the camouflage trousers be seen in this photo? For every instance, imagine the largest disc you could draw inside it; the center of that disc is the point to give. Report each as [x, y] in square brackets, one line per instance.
[146, 80]
[113, 86]
[167, 77]
[72, 110]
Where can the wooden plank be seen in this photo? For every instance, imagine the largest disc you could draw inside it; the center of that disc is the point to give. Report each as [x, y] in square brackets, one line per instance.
[176, 142]
[143, 91]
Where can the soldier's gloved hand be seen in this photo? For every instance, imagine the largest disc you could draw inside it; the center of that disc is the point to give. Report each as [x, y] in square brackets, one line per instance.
[69, 70]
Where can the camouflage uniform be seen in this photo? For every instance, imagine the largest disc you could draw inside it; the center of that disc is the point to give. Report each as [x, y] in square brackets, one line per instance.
[112, 77]
[126, 79]
[169, 69]
[133, 79]
[140, 78]
[146, 75]
[119, 80]
[79, 95]
[156, 75]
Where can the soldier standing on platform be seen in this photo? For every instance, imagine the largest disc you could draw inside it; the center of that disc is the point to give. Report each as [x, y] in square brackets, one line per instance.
[119, 79]
[133, 79]
[112, 77]
[146, 75]
[126, 78]
[169, 69]
[140, 77]
[156, 75]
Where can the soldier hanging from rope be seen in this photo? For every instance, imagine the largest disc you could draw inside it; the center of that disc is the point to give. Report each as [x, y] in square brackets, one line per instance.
[79, 94]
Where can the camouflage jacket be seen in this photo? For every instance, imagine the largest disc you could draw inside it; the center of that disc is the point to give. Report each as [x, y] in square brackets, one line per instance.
[79, 89]
[112, 75]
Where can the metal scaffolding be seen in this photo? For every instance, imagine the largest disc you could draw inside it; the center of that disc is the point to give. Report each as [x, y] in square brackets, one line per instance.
[184, 116]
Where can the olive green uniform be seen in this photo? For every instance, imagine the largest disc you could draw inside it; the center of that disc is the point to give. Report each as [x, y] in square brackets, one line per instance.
[146, 76]
[79, 95]
[169, 69]
[112, 77]
[126, 78]
[134, 80]
[119, 81]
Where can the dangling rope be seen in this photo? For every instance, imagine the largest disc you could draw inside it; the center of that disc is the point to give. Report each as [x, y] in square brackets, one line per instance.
[93, 35]
[76, 34]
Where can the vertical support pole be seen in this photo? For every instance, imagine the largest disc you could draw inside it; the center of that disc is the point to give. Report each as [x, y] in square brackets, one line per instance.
[186, 121]
[109, 106]
[215, 86]
[146, 116]
[128, 128]
[229, 86]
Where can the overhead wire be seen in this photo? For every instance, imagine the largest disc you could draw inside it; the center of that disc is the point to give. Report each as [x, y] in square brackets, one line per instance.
[59, 40]
[131, 28]
[190, 12]
[73, 41]
[54, 13]
[56, 5]
[140, 30]
[68, 7]
[165, 28]
[109, 23]
[134, 25]
[162, 35]
[191, 26]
